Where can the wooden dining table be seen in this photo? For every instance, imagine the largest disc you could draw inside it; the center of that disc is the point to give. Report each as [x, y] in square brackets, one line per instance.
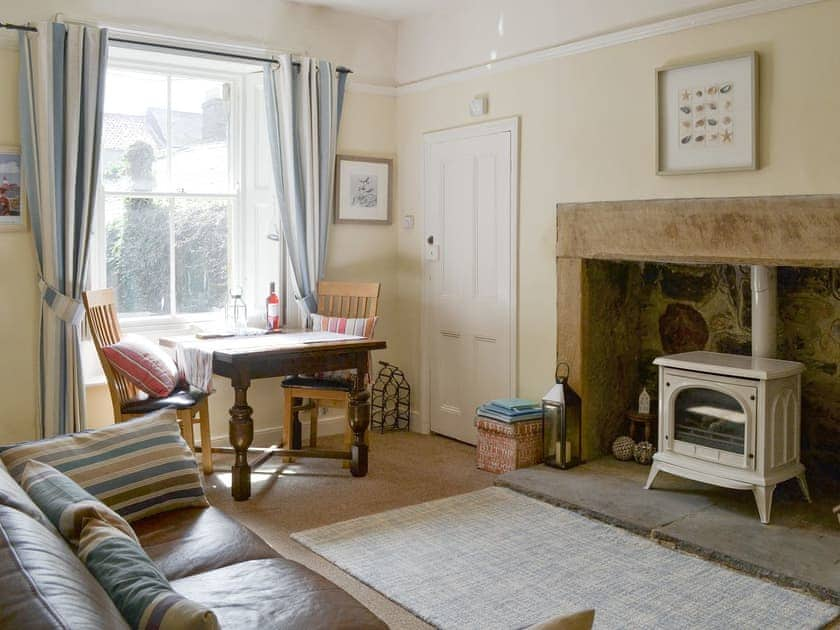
[291, 352]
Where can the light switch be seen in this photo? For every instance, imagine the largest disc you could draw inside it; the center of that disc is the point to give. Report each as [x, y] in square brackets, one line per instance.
[408, 222]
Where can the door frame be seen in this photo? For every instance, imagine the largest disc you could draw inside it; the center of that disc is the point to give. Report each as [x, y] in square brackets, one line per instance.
[476, 130]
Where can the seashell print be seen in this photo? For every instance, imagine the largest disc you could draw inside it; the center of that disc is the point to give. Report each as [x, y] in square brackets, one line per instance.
[699, 108]
[685, 110]
[711, 91]
[685, 139]
[713, 137]
[725, 88]
[727, 120]
[728, 105]
[686, 124]
[713, 106]
[698, 93]
[712, 122]
[699, 138]
[700, 122]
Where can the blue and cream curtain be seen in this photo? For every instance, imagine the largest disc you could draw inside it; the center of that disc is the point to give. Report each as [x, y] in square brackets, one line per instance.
[62, 76]
[303, 107]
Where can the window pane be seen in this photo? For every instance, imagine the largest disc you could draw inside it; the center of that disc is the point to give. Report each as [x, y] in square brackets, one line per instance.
[134, 132]
[200, 135]
[200, 227]
[137, 254]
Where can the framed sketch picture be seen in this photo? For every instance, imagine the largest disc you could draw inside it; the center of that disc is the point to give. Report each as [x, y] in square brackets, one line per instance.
[363, 190]
[707, 116]
[12, 210]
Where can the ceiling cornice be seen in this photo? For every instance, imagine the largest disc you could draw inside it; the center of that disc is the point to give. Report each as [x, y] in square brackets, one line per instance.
[615, 38]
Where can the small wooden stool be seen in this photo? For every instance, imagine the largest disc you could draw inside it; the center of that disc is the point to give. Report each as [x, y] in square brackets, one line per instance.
[644, 419]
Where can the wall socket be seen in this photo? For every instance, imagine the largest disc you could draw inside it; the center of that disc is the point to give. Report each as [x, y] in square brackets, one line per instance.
[408, 222]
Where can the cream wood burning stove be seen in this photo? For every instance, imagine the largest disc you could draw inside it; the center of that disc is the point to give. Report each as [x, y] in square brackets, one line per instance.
[730, 420]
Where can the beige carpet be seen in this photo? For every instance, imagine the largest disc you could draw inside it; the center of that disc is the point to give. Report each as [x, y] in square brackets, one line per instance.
[405, 469]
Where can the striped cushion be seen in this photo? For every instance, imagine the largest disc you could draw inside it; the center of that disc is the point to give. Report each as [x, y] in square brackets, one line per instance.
[136, 586]
[144, 363]
[13, 496]
[137, 468]
[361, 326]
[65, 503]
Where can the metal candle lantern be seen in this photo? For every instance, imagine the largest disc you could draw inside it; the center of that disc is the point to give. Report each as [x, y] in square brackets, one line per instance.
[561, 422]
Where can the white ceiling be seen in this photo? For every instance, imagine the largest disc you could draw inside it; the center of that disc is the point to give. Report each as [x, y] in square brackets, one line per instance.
[384, 9]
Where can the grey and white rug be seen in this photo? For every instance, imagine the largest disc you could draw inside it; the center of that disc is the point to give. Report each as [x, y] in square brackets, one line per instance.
[498, 559]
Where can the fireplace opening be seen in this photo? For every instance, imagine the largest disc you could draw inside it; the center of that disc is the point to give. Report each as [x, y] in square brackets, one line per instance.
[636, 312]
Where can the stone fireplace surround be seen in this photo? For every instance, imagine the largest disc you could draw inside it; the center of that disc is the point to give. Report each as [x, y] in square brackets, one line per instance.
[603, 350]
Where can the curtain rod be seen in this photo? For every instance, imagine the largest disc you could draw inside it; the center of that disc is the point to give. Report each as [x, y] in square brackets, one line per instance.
[21, 27]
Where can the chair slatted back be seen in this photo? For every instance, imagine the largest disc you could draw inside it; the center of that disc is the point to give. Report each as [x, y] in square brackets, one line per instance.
[348, 299]
[101, 310]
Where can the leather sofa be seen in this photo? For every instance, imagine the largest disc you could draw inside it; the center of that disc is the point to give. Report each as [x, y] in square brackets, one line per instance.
[206, 555]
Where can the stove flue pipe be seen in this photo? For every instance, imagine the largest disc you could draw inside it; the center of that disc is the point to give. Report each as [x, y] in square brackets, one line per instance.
[764, 308]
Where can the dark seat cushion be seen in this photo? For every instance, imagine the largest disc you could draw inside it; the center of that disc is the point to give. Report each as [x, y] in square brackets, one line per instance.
[193, 540]
[179, 399]
[276, 593]
[310, 382]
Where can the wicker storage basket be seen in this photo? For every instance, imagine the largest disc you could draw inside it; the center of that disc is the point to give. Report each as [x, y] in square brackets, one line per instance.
[506, 446]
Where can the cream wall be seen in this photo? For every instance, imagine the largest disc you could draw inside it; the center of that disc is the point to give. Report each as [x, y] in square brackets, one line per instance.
[587, 133]
[355, 252]
[18, 295]
[363, 43]
[431, 44]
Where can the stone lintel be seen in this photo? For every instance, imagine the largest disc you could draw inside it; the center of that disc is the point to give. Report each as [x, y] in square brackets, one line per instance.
[781, 230]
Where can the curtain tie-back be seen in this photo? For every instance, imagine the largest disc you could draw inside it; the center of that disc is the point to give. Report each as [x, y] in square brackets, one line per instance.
[66, 308]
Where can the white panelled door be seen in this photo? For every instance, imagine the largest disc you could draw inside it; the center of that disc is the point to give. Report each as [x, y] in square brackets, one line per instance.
[470, 273]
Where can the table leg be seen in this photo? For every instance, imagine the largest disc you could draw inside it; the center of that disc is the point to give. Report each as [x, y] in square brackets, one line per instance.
[241, 437]
[358, 415]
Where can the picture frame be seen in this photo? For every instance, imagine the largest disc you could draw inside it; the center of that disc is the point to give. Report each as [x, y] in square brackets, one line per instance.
[363, 190]
[12, 200]
[707, 116]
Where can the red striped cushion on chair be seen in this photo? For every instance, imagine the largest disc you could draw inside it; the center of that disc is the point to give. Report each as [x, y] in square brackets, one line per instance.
[360, 326]
[144, 363]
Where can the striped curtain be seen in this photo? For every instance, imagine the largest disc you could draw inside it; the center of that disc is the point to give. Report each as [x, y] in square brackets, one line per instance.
[62, 75]
[303, 107]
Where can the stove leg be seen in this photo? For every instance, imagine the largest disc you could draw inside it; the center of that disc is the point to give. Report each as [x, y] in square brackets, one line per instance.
[803, 485]
[764, 501]
[654, 470]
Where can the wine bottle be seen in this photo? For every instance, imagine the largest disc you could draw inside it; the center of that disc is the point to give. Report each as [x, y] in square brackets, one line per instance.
[272, 309]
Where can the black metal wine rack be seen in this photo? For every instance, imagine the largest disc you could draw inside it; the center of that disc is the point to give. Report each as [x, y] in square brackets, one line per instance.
[390, 406]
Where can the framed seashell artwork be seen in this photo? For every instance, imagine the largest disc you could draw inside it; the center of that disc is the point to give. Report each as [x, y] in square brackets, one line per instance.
[707, 116]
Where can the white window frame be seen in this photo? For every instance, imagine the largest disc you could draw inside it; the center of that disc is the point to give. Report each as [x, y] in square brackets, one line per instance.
[173, 323]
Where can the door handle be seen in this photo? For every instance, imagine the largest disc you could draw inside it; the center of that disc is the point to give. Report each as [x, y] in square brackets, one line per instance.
[430, 239]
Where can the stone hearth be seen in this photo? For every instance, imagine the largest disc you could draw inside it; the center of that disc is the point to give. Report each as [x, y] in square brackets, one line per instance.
[643, 278]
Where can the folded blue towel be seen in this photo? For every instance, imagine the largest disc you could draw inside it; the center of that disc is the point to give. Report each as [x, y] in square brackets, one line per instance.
[513, 405]
[494, 414]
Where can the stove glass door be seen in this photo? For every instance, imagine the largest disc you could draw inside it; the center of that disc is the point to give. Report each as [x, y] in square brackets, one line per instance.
[713, 424]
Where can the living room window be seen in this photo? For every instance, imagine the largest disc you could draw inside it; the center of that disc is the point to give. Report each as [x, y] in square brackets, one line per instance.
[181, 210]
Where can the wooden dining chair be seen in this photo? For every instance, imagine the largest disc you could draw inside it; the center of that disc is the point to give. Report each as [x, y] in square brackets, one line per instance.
[127, 400]
[335, 299]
